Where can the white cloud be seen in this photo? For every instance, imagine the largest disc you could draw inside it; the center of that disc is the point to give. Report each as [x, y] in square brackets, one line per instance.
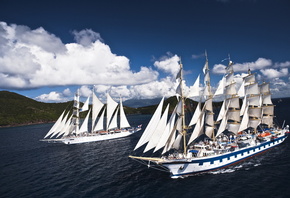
[85, 91]
[55, 96]
[259, 64]
[285, 64]
[36, 58]
[168, 64]
[219, 69]
[52, 96]
[67, 92]
[273, 73]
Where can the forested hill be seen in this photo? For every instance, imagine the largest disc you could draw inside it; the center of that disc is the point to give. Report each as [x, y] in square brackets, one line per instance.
[16, 109]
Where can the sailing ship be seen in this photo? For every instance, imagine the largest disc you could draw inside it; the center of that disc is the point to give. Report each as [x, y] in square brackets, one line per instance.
[67, 128]
[206, 144]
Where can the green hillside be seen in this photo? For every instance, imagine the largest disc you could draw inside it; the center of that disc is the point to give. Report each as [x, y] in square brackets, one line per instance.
[16, 109]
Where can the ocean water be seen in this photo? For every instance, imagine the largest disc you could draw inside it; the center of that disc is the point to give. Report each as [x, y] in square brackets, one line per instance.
[31, 168]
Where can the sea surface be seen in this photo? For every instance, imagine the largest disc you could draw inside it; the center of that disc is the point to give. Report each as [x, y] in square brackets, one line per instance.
[31, 168]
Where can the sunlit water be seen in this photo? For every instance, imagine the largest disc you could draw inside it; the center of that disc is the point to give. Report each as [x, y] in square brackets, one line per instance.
[31, 168]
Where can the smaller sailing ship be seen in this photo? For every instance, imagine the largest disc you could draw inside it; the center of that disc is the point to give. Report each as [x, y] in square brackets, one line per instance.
[67, 128]
[204, 144]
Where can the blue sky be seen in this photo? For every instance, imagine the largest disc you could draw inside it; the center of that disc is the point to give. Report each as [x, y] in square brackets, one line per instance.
[131, 48]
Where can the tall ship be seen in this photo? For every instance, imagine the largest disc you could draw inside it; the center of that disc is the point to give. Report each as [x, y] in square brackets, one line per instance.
[205, 142]
[68, 130]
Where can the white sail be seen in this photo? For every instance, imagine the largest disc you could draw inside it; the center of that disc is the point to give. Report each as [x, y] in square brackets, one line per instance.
[167, 132]
[208, 105]
[75, 118]
[241, 92]
[177, 141]
[179, 107]
[60, 127]
[160, 128]
[100, 124]
[231, 89]
[151, 126]
[76, 100]
[249, 79]
[173, 139]
[123, 119]
[234, 115]
[66, 129]
[268, 120]
[96, 108]
[114, 122]
[245, 120]
[229, 78]
[233, 127]
[221, 87]
[84, 127]
[222, 126]
[265, 88]
[223, 123]
[244, 106]
[252, 89]
[179, 88]
[194, 90]
[55, 127]
[111, 106]
[254, 123]
[268, 110]
[267, 100]
[197, 129]
[196, 115]
[255, 112]
[222, 112]
[254, 100]
[85, 107]
[234, 102]
[209, 125]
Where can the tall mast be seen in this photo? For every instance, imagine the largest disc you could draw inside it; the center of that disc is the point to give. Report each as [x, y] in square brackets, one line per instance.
[76, 112]
[209, 120]
[182, 109]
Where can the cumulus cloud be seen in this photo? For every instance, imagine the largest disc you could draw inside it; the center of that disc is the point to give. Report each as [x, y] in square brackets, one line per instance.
[55, 96]
[274, 73]
[36, 58]
[259, 64]
[285, 64]
[168, 64]
[158, 88]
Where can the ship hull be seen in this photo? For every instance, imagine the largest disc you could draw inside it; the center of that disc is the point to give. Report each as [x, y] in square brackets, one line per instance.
[91, 138]
[181, 168]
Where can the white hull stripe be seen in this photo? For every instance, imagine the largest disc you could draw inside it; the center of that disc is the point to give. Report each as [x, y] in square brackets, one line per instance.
[244, 154]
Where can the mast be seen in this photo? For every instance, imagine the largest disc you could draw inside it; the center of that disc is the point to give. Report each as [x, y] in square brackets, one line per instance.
[232, 100]
[182, 110]
[76, 109]
[209, 120]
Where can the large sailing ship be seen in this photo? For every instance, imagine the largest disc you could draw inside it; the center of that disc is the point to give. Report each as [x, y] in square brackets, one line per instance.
[67, 128]
[206, 144]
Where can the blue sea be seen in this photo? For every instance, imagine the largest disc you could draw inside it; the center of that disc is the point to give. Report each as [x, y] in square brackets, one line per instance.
[31, 168]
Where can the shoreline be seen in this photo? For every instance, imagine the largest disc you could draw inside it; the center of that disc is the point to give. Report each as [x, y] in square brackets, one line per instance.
[26, 124]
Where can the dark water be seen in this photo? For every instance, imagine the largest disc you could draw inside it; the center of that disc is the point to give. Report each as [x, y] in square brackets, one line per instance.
[30, 168]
